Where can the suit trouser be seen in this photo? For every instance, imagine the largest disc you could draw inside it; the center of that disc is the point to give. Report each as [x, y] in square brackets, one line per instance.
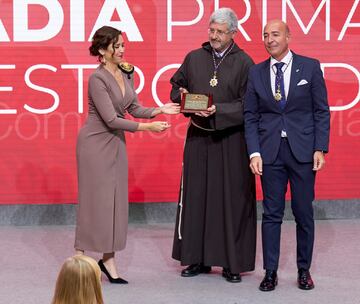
[274, 184]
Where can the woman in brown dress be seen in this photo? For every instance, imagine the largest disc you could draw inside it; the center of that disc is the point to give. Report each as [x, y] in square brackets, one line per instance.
[102, 215]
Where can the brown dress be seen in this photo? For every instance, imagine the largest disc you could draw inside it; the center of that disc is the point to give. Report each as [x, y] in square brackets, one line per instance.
[102, 215]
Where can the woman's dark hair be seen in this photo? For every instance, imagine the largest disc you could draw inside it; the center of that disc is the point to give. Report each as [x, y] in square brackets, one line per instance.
[102, 38]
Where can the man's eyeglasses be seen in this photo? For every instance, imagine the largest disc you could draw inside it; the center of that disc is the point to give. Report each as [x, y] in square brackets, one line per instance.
[218, 32]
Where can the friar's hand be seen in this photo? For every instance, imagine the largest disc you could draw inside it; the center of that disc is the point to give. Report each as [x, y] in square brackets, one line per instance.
[210, 111]
[182, 91]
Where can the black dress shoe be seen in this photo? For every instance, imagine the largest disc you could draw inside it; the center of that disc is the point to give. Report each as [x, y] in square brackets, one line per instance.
[270, 281]
[231, 277]
[110, 278]
[305, 281]
[194, 270]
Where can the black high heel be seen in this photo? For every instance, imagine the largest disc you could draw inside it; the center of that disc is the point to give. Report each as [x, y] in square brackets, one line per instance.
[110, 278]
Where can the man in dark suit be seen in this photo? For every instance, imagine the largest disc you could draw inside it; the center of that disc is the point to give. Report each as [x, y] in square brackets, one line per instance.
[287, 123]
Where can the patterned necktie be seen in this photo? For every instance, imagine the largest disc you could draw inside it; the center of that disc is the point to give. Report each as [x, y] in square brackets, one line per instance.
[279, 84]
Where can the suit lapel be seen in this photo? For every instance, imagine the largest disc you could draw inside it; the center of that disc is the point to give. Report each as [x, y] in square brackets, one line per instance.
[296, 71]
[266, 80]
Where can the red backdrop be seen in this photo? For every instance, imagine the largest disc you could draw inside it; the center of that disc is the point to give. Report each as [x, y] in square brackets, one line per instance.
[44, 66]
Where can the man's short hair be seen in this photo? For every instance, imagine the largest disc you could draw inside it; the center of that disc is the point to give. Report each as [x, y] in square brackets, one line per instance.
[225, 15]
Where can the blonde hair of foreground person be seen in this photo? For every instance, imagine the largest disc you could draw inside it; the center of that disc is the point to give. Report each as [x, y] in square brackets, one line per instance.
[78, 282]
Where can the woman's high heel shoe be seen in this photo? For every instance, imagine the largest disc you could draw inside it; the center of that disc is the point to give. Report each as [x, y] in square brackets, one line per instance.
[110, 278]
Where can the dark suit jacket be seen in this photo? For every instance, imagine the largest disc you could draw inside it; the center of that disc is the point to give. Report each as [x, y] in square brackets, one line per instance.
[306, 116]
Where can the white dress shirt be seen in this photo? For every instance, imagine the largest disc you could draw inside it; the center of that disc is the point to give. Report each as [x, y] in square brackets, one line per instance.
[286, 70]
[220, 54]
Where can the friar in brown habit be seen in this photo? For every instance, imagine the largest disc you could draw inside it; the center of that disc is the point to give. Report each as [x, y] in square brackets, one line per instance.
[216, 218]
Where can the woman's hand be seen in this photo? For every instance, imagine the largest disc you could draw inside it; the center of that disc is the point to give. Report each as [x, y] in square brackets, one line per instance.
[170, 108]
[158, 126]
[155, 126]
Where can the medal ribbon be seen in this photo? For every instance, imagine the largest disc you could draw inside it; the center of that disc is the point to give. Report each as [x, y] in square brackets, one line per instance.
[279, 85]
[213, 80]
